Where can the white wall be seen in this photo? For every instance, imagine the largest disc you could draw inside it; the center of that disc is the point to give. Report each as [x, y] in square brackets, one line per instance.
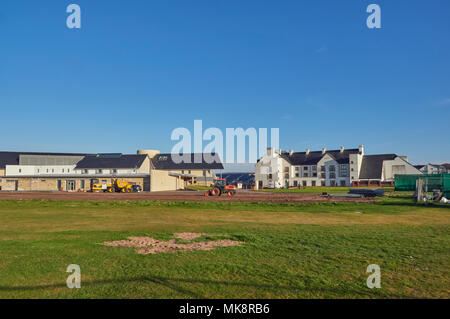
[26, 170]
[397, 166]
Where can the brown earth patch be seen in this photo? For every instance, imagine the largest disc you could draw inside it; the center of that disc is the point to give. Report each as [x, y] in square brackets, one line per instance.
[148, 245]
[241, 196]
[188, 236]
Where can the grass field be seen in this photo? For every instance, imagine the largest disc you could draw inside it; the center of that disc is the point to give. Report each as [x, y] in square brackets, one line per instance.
[290, 251]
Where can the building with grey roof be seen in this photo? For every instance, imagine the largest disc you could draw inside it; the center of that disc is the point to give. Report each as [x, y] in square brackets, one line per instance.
[342, 167]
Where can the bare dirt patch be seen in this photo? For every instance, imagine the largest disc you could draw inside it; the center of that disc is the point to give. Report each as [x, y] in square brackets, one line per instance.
[241, 196]
[149, 245]
[188, 236]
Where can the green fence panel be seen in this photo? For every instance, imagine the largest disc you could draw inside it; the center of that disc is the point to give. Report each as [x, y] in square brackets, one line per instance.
[433, 181]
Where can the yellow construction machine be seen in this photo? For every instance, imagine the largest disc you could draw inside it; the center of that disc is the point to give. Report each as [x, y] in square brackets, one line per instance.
[116, 186]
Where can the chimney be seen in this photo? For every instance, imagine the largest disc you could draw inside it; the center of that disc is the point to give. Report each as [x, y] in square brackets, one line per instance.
[324, 150]
[291, 152]
[308, 151]
[342, 149]
[361, 149]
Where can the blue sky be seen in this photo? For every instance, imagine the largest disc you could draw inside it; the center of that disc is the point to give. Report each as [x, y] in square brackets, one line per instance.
[139, 69]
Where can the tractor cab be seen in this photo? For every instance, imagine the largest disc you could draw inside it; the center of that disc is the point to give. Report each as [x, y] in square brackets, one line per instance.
[220, 182]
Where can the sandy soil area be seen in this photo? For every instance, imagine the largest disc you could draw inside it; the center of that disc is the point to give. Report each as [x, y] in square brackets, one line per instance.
[148, 245]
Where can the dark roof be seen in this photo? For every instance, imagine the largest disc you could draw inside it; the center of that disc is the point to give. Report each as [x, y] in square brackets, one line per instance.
[123, 161]
[300, 158]
[239, 177]
[372, 165]
[12, 158]
[165, 162]
[419, 167]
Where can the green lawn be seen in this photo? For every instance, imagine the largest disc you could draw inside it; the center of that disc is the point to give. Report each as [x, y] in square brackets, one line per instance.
[290, 251]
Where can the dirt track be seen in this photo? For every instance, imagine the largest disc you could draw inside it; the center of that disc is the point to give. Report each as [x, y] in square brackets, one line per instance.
[241, 196]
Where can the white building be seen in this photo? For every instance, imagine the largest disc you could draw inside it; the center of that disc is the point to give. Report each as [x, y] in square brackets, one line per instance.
[343, 167]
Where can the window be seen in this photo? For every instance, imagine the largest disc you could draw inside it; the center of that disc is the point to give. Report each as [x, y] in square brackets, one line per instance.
[297, 175]
[332, 168]
[297, 168]
[204, 172]
[270, 176]
[314, 174]
[332, 183]
[332, 175]
[38, 170]
[313, 183]
[305, 174]
[322, 168]
[323, 175]
[352, 169]
[58, 184]
[63, 170]
[47, 170]
[351, 162]
[343, 170]
[286, 175]
[304, 183]
[82, 184]
[189, 171]
[314, 168]
[99, 171]
[20, 170]
[182, 171]
[305, 168]
[84, 171]
[286, 169]
[295, 183]
[114, 170]
[342, 183]
[322, 183]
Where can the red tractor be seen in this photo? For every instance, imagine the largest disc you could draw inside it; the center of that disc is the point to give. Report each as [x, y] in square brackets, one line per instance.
[220, 187]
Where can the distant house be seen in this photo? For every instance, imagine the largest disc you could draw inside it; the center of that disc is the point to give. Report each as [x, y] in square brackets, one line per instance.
[434, 168]
[342, 167]
[152, 171]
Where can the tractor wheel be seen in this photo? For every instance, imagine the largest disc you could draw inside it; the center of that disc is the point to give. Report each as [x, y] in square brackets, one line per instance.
[208, 193]
[123, 190]
[110, 189]
[215, 192]
[230, 194]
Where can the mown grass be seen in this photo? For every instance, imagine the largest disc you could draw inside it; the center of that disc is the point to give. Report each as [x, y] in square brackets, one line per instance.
[198, 188]
[290, 251]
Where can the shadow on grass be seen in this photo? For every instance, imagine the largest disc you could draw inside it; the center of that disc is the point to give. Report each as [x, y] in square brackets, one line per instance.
[171, 283]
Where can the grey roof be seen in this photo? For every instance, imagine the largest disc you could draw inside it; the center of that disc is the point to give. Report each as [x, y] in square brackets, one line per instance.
[301, 158]
[122, 161]
[372, 165]
[165, 162]
[12, 158]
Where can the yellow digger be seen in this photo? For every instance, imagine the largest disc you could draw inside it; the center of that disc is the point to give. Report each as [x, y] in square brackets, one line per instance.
[116, 186]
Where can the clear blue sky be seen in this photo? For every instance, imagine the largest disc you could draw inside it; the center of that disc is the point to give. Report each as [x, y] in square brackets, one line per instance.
[138, 69]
